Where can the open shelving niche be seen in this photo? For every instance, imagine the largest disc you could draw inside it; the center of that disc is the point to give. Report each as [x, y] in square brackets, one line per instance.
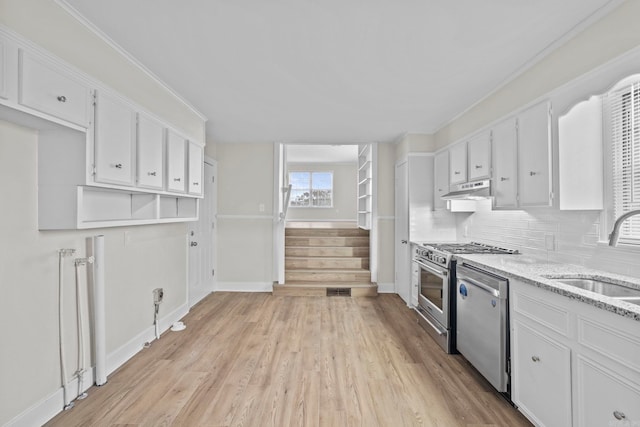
[366, 185]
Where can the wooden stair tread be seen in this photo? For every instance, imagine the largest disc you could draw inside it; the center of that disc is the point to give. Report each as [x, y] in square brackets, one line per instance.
[304, 284]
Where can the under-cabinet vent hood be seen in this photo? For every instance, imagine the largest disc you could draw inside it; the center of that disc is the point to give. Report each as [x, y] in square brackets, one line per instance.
[475, 190]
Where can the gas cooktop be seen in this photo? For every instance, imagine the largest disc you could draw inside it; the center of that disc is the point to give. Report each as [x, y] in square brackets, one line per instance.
[469, 248]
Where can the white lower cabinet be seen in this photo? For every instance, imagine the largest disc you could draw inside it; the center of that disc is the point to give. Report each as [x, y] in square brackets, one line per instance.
[573, 364]
[541, 369]
[604, 397]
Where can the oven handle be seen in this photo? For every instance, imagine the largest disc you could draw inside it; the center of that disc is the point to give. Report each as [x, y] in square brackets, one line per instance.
[493, 291]
[431, 269]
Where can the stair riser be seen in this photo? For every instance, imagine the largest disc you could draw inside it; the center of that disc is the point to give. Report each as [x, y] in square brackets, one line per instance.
[315, 276]
[327, 263]
[326, 251]
[327, 241]
[316, 232]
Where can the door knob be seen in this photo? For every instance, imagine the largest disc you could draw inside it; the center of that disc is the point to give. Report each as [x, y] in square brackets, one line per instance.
[194, 243]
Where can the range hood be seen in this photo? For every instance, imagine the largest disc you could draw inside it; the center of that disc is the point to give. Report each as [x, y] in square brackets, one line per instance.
[476, 190]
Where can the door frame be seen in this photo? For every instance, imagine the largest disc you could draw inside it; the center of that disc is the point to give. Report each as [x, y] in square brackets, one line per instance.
[402, 248]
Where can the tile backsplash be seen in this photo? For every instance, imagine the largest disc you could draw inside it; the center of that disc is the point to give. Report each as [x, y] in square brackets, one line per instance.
[562, 236]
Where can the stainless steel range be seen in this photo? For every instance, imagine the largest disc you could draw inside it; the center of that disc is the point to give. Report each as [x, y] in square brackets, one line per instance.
[436, 267]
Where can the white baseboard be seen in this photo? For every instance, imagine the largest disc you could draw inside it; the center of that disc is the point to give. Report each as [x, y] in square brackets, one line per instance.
[118, 357]
[50, 406]
[243, 287]
[386, 288]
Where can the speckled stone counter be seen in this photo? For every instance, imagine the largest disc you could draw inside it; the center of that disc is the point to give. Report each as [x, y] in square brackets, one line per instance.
[537, 272]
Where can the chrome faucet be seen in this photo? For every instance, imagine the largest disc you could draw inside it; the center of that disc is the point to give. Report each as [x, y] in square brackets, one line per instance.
[615, 233]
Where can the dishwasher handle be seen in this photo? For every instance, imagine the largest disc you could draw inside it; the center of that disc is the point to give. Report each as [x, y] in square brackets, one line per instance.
[476, 281]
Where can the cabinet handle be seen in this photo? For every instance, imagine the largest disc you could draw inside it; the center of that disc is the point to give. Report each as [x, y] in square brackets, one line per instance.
[456, 173]
[118, 166]
[151, 173]
[196, 183]
[176, 179]
[619, 415]
[502, 178]
[478, 166]
[535, 358]
[403, 241]
[194, 243]
[533, 173]
[62, 98]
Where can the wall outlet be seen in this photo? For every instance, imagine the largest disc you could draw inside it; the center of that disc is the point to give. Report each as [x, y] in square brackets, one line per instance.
[158, 295]
[550, 242]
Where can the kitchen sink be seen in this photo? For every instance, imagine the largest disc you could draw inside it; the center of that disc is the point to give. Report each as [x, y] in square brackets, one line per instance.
[602, 287]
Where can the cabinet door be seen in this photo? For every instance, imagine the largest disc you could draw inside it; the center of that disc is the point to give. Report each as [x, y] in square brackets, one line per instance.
[176, 146]
[150, 167]
[541, 377]
[479, 156]
[605, 399]
[534, 156]
[440, 179]
[195, 169]
[115, 130]
[51, 91]
[458, 163]
[505, 165]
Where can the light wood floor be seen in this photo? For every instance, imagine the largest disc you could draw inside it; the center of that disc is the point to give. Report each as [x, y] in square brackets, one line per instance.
[263, 360]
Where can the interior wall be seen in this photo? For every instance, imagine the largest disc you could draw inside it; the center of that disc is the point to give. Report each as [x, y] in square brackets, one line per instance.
[137, 260]
[386, 214]
[606, 39]
[245, 216]
[345, 193]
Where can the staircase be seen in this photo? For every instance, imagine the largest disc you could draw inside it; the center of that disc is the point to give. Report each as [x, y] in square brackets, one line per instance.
[326, 261]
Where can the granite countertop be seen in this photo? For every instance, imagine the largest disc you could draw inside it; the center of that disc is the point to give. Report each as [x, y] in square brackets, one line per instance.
[536, 272]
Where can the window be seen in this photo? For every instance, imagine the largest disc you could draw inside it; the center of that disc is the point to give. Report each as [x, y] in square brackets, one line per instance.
[623, 106]
[311, 189]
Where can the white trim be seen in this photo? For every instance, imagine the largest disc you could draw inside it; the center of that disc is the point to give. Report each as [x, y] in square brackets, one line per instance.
[245, 217]
[120, 356]
[420, 154]
[387, 218]
[115, 46]
[354, 221]
[386, 288]
[244, 287]
[50, 406]
[591, 19]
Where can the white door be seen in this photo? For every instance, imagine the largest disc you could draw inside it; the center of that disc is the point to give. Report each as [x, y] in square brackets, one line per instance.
[534, 156]
[175, 162]
[202, 241]
[505, 165]
[402, 249]
[150, 158]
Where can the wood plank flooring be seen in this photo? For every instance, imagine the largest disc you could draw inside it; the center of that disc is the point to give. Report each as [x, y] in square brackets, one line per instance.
[263, 360]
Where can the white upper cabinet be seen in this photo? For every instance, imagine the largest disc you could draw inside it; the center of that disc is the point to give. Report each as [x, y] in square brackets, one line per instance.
[505, 164]
[479, 156]
[176, 146]
[47, 89]
[458, 163]
[195, 169]
[440, 179]
[534, 156]
[580, 154]
[115, 131]
[150, 153]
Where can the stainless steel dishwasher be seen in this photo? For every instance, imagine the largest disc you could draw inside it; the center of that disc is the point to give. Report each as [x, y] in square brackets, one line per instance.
[482, 323]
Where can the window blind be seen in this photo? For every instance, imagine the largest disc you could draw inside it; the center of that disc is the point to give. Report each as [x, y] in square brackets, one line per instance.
[624, 110]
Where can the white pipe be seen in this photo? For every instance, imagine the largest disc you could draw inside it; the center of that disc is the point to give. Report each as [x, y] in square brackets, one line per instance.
[99, 318]
[80, 318]
[63, 367]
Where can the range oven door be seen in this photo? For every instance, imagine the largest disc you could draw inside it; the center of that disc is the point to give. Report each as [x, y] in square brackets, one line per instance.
[433, 297]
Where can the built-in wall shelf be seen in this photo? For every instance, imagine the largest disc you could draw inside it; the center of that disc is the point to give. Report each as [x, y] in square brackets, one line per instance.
[366, 191]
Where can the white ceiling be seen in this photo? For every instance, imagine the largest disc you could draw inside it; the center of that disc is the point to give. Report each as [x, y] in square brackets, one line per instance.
[334, 71]
[322, 153]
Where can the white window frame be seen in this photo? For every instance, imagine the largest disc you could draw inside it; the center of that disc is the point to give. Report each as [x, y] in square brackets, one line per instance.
[311, 172]
[612, 178]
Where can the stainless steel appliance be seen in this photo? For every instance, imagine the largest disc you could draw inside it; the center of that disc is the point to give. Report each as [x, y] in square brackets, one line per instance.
[436, 264]
[482, 324]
